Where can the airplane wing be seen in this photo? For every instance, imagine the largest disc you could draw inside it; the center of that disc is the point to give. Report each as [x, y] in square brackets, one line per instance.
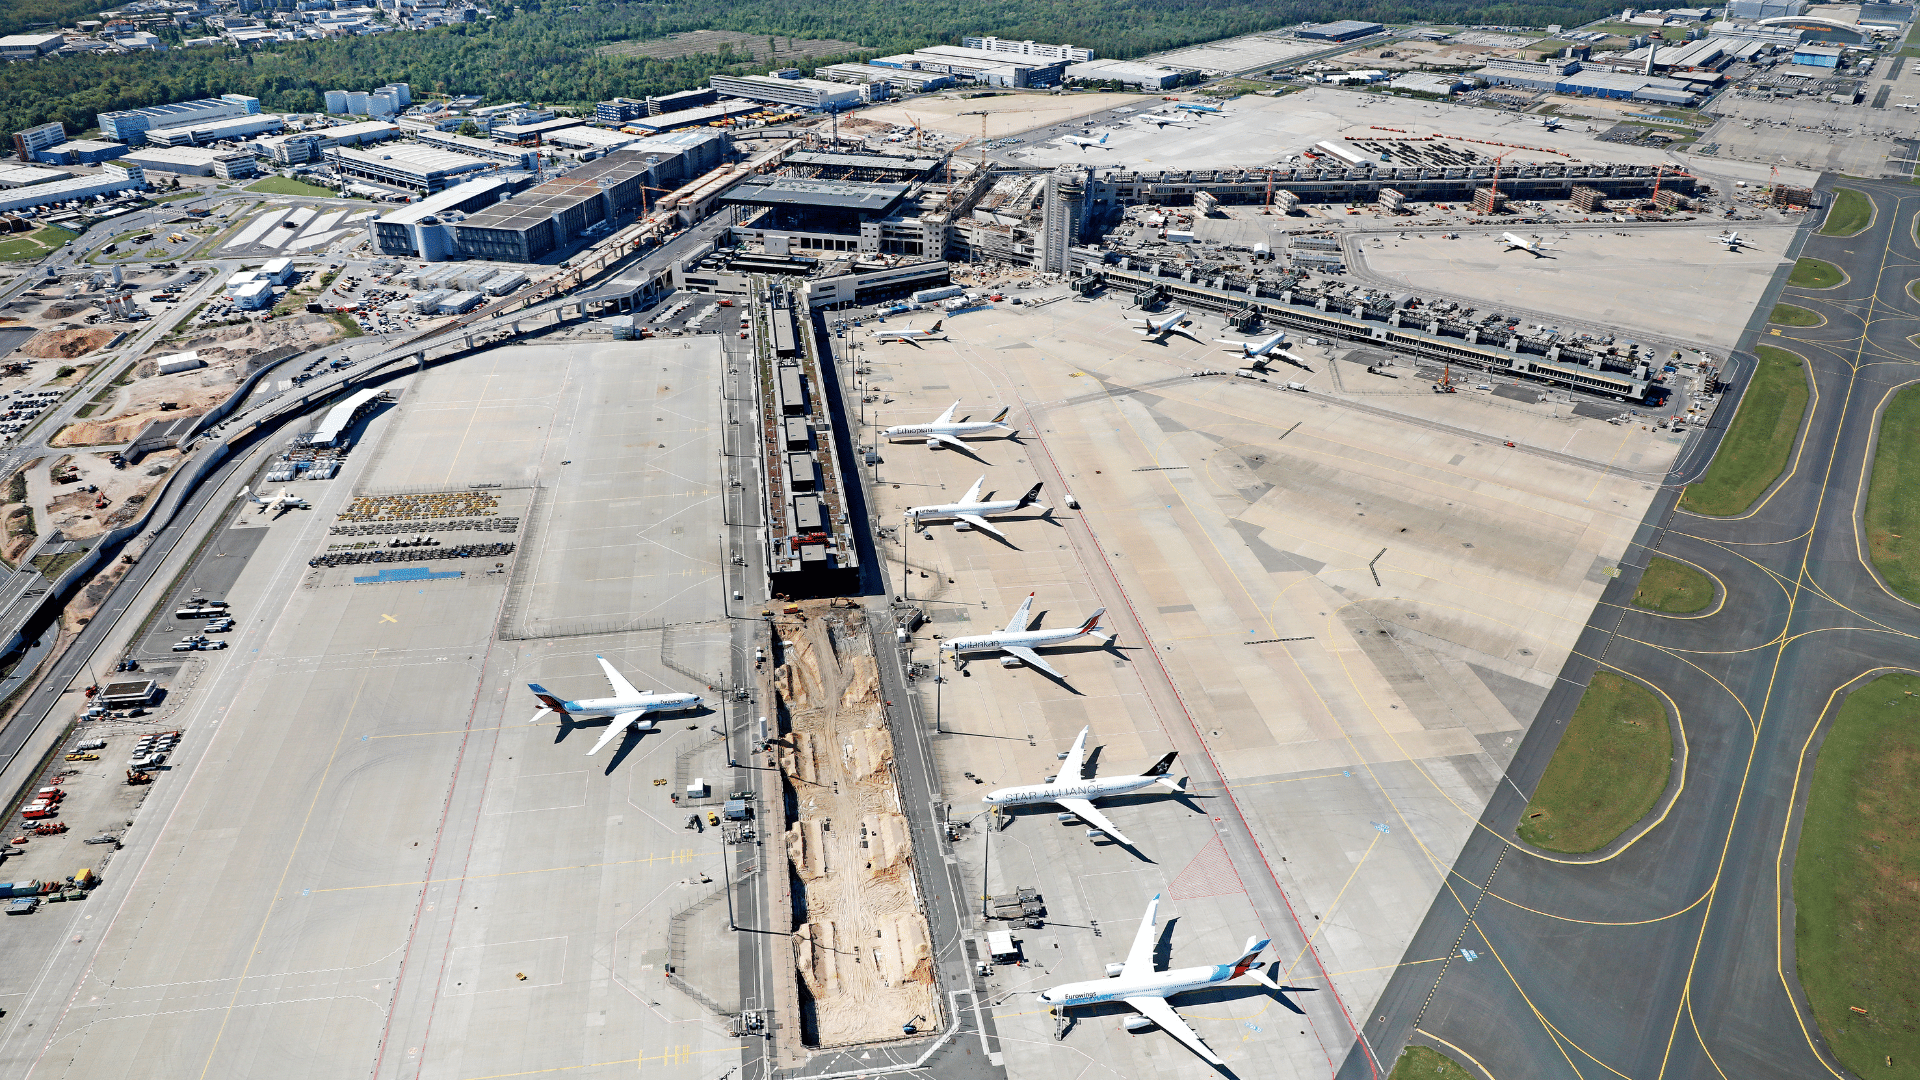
[973, 493]
[621, 687]
[981, 523]
[1032, 659]
[1076, 759]
[1019, 620]
[1085, 811]
[949, 439]
[1162, 1014]
[1140, 957]
[615, 730]
[947, 417]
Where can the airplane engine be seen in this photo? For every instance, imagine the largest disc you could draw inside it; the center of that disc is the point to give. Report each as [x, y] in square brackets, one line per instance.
[1010, 661]
[933, 444]
[1114, 970]
[1136, 1024]
[961, 526]
[1067, 819]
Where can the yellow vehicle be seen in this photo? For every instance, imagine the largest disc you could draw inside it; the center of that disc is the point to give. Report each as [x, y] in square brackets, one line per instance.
[713, 818]
[83, 757]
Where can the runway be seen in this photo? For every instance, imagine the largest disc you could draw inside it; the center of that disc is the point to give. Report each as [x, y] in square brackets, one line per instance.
[1672, 954]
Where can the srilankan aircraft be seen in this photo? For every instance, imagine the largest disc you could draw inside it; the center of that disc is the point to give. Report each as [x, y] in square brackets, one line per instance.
[1535, 247]
[1198, 107]
[1076, 795]
[279, 504]
[1732, 240]
[1138, 983]
[946, 430]
[1252, 349]
[1018, 642]
[911, 336]
[1160, 327]
[1085, 143]
[628, 707]
[971, 513]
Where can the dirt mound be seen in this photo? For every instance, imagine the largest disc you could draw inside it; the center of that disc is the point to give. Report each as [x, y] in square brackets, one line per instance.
[119, 429]
[67, 344]
[229, 343]
[64, 309]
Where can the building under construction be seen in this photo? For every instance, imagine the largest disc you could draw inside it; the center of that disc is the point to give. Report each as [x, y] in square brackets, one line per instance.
[810, 543]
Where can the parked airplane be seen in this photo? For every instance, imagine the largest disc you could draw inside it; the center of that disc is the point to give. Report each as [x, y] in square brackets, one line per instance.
[1197, 107]
[910, 335]
[945, 429]
[1138, 983]
[628, 707]
[1085, 143]
[1160, 327]
[971, 513]
[1164, 119]
[1069, 791]
[1018, 642]
[1535, 247]
[1551, 123]
[279, 504]
[1251, 349]
[1732, 240]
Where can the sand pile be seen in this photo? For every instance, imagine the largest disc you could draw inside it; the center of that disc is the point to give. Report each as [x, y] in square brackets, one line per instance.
[67, 344]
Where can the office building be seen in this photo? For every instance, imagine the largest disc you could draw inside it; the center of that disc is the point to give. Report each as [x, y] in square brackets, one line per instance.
[424, 230]
[619, 110]
[1032, 50]
[297, 148]
[1344, 30]
[236, 127]
[131, 126]
[803, 93]
[31, 141]
[29, 46]
[408, 167]
[1064, 217]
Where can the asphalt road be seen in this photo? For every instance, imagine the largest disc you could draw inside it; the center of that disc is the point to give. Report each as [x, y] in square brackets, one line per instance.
[1672, 954]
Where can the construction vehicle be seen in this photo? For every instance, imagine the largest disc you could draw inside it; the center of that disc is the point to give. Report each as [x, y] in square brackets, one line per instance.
[134, 777]
[1445, 384]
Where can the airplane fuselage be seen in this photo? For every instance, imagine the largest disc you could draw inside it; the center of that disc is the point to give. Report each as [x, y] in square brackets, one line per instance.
[911, 431]
[985, 509]
[1032, 639]
[592, 708]
[1160, 984]
[1103, 788]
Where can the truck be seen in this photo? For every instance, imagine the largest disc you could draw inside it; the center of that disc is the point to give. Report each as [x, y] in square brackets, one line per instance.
[928, 296]
[19, 888]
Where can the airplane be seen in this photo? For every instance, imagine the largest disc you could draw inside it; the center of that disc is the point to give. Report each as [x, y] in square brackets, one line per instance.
[1161, 327]
[911, 336]
[1141, 985]
[945, 429]
[1534, 247]
[1732, 240]
[971, 513]
[1551, 123]
[279, 504]
[1163, 119]
[1197, 107]
[1085, 143]
[1252, 349]
[1906, 105]
[1076, 795]
[628, 706]
[1018, 642]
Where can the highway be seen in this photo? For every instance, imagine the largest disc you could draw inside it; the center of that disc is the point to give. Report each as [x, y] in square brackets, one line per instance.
[1671, 953]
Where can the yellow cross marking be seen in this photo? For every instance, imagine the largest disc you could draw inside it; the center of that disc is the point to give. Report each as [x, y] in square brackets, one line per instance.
[389, 618]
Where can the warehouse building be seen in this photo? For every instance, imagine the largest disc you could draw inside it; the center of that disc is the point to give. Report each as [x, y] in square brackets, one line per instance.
[131, 126]
[13, 176]
[1567, 77]
[112, 179]
[513, 157]
[193, 161]
[534, 131]
[706, 116]
[236, 127]
[409, 167]
[1423, 82]
[1344, 30]
[593, 140]
[912, 82]
[988, 68]
[333, 427]
[547, 218]
[424, 230]
[81, 152]
[29, 46]
[1126, 72]
[35, 139]
[1033, 49]
[365, 133]
[803, 93]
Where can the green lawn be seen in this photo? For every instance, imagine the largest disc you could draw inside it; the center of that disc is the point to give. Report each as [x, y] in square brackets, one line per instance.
[1420, 1063]
[1856, 927]
[1611, 765]
[348, 328]
[1851, 213]
[1814, 274]
[1893, 498]
[1673, 586]
[284, 185]
[52, 566]
[1788, 315]
[25, 247]
[1757, 444]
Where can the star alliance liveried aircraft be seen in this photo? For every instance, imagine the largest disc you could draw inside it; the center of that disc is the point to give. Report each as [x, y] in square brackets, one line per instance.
[1068, 790]
[628, 707]
[945, 429]
[1137, 983]
[971, 513]
[1160, 327]
[912, 336]
[1018, 642]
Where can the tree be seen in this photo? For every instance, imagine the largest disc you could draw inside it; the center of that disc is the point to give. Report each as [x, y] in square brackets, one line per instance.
[470, 129]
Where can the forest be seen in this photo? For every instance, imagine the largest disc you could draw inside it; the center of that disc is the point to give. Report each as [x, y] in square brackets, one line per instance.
[540, 51]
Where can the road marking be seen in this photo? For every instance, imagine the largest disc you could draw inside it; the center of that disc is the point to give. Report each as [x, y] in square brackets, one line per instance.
[389, 618]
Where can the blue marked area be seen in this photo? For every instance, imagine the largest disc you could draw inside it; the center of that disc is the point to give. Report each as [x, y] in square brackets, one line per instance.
[407, 573]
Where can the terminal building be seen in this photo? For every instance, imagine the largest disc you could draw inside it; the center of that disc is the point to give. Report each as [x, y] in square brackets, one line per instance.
[801, 93]
[424, 230]
[407, 167]
[131, 126]
[549, 217]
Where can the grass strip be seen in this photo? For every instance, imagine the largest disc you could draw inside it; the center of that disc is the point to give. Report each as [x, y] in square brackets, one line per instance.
[1610, 767]
[1850, 214]
[1672, 586]
[1893, 497]
[1756, 447]
[1421, 1063]
[1856, 924]
[1788, 315]
[1815, 274]
[283, 185]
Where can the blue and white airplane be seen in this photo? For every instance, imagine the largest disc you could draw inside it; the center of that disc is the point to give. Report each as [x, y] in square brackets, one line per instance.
[1085, 143]
[1137, 983]
[1197, 106]
[629, 708]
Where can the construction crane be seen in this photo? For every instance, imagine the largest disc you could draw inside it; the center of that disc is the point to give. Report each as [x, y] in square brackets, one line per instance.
[1495, 200]
[916, 132]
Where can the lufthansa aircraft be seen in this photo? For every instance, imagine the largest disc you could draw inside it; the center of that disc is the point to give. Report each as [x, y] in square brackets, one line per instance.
[946, 429]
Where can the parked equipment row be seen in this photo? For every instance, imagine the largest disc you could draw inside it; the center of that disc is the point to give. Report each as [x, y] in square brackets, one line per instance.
[497, 524]
[464, 551]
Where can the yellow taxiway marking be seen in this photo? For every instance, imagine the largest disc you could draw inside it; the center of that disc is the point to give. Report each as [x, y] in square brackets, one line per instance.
[388, 618]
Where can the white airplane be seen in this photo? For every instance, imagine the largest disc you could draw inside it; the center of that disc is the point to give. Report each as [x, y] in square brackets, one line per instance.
[1138, 983]
[1085, 143]
[945, 429]
[1535, 247]
[1906, 105]
[1732, 240]
[1197, 107]
[1551, 123]
[1068, 790]
[628, 706]
[279, 504]
[1163, 119]
[1160, 327]
[912, 336]
[1018, 642]
[971, 513]
[1252, 349]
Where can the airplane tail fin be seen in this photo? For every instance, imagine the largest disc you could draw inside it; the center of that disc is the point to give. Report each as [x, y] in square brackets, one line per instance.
[1103, 138]
[247, 494]
[1092, 625]
[1254, 948]
[1001, 416]
[1159, 768]
[935, 328]
[552, 703]
[1030, 497]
